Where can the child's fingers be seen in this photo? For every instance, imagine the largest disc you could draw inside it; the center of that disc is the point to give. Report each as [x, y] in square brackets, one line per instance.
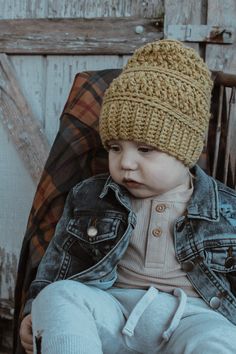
[26, 344]
[26, 334]
[28, 347]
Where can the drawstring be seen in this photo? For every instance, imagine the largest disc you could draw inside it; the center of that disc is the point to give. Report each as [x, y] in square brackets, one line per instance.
[138, 310]
[145, 301]
[178, 314]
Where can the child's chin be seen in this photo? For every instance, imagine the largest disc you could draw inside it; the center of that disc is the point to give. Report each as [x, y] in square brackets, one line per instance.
[140, 194]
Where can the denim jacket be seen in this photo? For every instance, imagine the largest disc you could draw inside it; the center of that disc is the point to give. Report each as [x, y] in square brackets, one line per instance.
[95, 228]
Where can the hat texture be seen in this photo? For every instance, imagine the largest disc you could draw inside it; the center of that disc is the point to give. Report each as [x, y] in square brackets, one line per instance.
[161, 98]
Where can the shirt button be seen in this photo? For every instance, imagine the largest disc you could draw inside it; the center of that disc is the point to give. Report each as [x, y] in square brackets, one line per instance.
[160, 208]
[157, 232]
[215, 302]
[92, 231]
[187, 266]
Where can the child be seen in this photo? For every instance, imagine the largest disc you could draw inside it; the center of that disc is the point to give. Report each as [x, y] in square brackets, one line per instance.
[149, 252]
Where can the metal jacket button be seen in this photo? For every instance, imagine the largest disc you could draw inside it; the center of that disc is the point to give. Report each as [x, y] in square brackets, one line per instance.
[92, 231]
[229, 262]
[187, 266]
[215, 302]
[160, 208]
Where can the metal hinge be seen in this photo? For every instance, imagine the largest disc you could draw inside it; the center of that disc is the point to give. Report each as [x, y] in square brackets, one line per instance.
[200, 33]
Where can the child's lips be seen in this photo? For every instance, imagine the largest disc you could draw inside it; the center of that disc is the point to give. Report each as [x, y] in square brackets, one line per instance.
[129, 183]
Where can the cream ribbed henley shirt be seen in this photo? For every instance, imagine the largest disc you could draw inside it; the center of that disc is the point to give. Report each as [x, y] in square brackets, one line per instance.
[150, 258]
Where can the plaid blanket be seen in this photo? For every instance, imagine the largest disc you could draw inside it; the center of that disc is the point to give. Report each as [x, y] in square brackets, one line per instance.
[75, 155]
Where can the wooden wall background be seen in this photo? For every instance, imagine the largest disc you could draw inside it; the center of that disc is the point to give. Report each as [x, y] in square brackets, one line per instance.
[44, 80]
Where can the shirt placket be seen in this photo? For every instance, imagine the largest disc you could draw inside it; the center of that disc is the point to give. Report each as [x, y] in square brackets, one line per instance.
[157, 234]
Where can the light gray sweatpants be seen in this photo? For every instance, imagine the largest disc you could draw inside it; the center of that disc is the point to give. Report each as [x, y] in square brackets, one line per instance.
[72, 318]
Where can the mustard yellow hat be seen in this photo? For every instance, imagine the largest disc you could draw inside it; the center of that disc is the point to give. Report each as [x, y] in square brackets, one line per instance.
[161, 98]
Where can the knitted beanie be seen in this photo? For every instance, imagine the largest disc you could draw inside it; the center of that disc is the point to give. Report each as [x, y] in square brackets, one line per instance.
[161, 98]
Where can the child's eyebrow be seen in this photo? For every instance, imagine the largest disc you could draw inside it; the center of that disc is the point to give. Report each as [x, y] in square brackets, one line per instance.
[112, 142]
[145, 144]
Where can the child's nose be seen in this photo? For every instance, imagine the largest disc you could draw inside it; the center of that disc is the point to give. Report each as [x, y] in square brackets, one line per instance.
[128, 161]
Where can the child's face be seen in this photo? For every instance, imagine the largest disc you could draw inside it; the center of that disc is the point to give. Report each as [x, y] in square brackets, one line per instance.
[143, 170]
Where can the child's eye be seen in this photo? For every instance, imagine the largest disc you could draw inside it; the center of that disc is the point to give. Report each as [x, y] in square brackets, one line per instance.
[114, 148]
[145, 149]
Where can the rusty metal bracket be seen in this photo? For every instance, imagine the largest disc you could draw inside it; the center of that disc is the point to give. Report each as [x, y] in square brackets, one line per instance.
[200, 33]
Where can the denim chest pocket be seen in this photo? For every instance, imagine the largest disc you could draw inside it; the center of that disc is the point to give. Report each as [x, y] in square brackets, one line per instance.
[94, 229]
[221, 258]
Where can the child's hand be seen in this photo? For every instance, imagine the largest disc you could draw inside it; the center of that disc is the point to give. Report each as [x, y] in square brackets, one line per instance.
[26, 335]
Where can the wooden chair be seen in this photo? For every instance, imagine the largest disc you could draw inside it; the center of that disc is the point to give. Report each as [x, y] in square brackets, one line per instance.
[220, 149]
[77, 153]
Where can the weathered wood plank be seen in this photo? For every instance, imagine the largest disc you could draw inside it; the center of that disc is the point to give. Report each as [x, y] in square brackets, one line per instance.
[31, 71]
[220, 57]
[79, 9]
[23, 8]
[184, 12]
[101, 8]
[77, 36]
[60, 74]
[17, 118]
[16, 194]
[201, 33]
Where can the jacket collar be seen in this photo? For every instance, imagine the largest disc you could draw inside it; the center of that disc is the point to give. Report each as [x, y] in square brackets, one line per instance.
[121, 192]
[204, 203]
[111, 184]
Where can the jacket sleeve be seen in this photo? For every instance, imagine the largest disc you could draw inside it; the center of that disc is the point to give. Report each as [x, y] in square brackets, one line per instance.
[50, 265]
[228, 210]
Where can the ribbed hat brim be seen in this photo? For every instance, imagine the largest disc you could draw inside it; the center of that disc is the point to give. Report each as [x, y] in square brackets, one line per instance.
[123, 119]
